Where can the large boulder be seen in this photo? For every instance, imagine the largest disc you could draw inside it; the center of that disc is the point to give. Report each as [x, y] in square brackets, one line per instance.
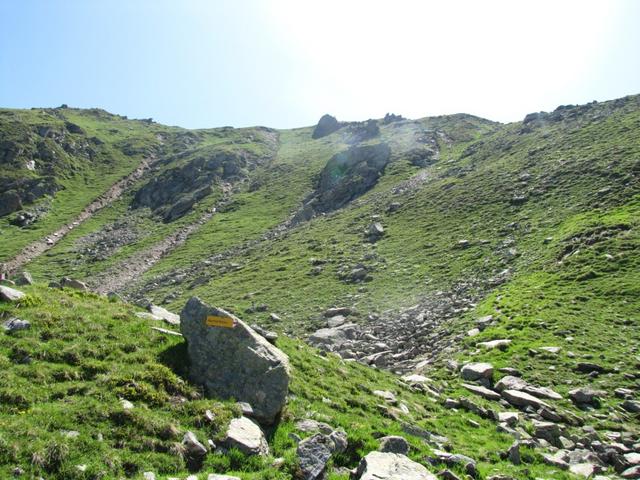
[326, 125]
[234, 361]
[391, 466]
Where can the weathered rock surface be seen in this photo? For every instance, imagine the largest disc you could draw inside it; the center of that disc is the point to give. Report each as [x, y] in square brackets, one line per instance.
[235, 362]
[391, 466]
[346, 176]
[9, 294]
[246, 436]
[394, 444]
[477, 371]
[314, 453]
[67, 282]
[15, 324]
[522, 399]
[510, 382]
[164, 314]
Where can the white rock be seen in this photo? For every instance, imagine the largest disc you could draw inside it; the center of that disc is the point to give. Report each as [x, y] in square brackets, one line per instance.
[10, 294]
[391, 466]
[164, 314]
[246, 436]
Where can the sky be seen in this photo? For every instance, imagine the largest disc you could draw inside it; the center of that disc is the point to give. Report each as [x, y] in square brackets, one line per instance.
[285, 63]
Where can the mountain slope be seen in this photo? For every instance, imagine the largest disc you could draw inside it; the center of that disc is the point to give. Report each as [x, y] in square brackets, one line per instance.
[446, 240]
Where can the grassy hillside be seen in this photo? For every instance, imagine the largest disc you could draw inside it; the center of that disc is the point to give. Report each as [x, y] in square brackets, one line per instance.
[83, 355]
[533, 223]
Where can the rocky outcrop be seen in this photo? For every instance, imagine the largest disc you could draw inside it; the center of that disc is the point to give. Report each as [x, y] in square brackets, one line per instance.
[346, 176]
[326, 126]
[391, 466]
[174, 192]
[233, 361]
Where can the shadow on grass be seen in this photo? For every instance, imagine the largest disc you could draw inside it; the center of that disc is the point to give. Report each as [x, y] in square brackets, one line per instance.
[177, 359]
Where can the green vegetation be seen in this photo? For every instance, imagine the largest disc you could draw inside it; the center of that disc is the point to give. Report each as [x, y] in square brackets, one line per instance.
[536, 222]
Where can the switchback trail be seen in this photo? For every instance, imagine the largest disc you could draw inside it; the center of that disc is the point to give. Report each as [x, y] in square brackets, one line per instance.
[37, 248]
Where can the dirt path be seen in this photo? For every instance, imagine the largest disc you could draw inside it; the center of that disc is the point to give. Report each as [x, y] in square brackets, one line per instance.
[38, 247]
[117, 278]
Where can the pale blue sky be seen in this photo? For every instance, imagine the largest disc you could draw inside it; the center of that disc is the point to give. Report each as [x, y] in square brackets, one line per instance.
[284, 63]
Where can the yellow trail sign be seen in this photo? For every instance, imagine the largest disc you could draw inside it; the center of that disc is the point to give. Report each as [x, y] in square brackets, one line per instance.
[216, 321]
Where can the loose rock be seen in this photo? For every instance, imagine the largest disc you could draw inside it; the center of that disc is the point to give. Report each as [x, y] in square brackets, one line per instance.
[391, 466]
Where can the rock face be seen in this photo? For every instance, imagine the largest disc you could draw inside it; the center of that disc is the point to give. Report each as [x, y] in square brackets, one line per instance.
[391, 466]
[326, 125]
[235, 362]
[347, 175]
[246, 436]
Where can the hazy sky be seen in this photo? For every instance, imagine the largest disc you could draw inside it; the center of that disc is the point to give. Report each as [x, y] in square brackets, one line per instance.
[284, 63]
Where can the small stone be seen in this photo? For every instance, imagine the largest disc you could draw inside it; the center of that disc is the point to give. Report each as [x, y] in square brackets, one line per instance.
[482, 391]
[15, 324]
[476, 371]
[193, 447]
[67, 282]
[394, 444]
[246, 436]
[386, 395]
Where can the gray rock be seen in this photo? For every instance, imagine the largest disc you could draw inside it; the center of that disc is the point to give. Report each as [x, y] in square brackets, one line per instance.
[477, 371]
[632, 406]
[391, 466]
[9, 294]
[24, 278]
[164, 314]
[482, 391]
[585, 396]
[67, 282]
[394, 444]
[235, 362]
[374, 232]
[217, 476]
[15, 324]
[513, 454]
[246, 436]
[333, 338]
[313, 454]
[326, 125]
[522, 399]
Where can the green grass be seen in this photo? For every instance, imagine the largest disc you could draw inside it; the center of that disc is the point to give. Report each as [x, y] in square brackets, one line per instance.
[570, 244]
[86, 353]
